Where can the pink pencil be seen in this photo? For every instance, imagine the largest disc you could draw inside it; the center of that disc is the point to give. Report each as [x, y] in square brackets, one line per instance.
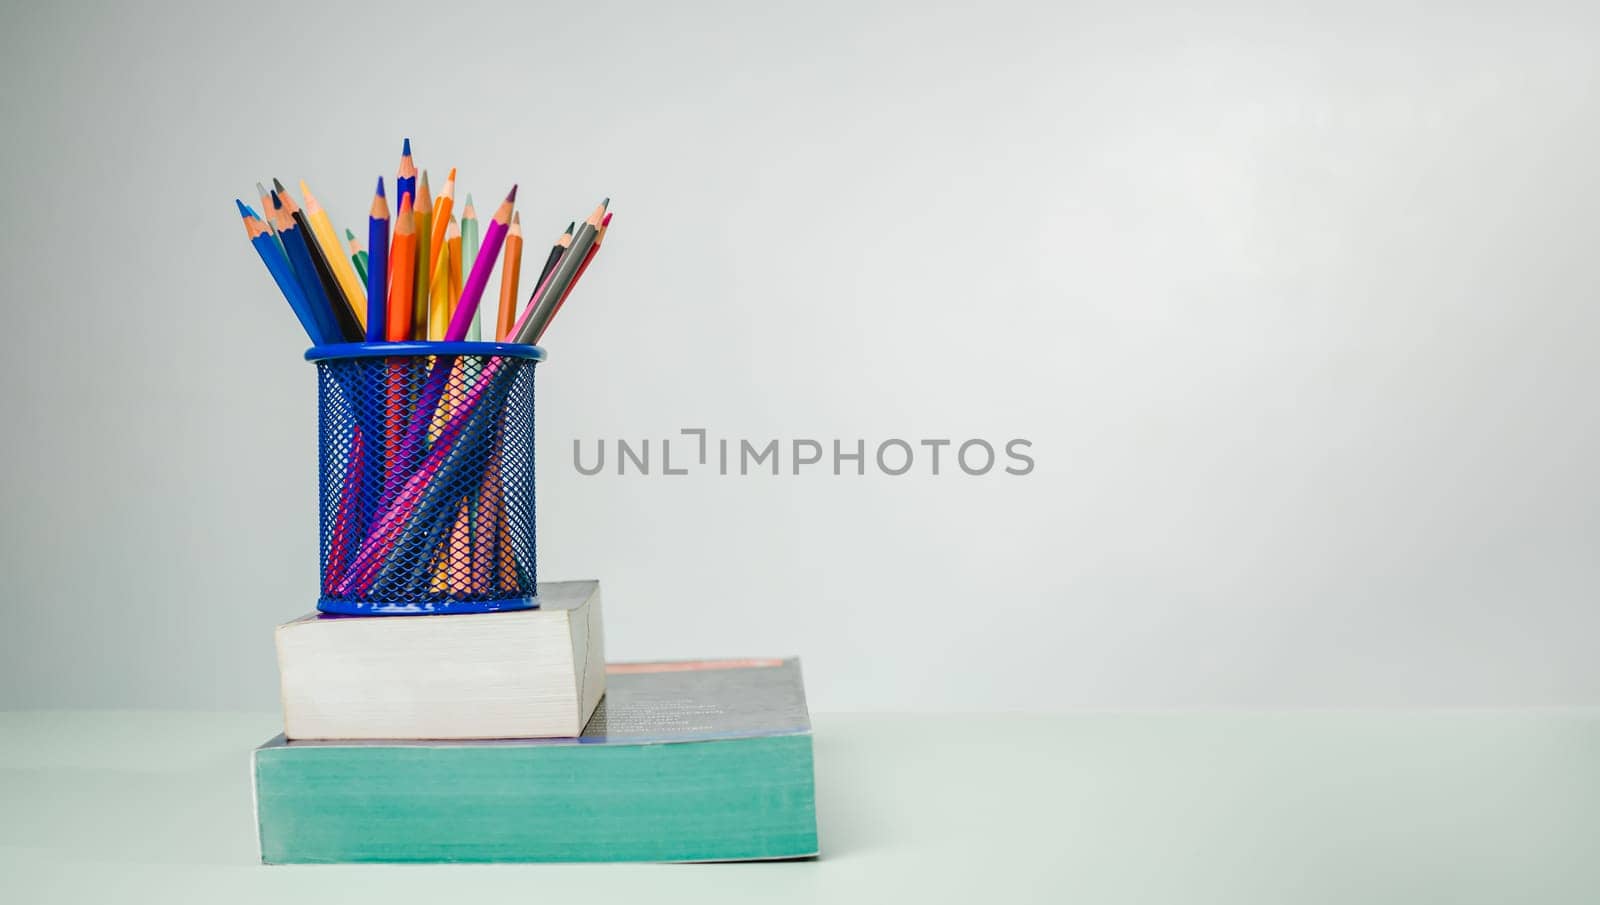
[482, 269]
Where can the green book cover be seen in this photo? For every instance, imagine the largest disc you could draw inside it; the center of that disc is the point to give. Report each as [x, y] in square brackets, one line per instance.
[685, 761]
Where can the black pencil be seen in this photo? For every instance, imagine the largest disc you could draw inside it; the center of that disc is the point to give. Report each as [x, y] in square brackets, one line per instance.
[555, 253]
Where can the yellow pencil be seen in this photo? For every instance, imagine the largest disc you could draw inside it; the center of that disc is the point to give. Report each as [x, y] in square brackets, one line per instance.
[328, 240]
[422, 209]
[439, 297]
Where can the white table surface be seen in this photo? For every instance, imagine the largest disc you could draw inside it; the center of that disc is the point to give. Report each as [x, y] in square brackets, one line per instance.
[1406, 807]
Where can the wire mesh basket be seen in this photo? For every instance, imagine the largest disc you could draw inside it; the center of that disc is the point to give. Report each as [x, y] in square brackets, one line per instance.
[427, 477]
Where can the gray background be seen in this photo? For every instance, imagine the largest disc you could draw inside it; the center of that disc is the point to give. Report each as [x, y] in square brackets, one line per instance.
[1296, 305]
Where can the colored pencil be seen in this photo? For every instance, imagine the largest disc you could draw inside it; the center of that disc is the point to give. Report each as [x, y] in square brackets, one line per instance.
[486, 527]
[510, 273]
[352, 288]
[402, 261]
[452, 270]
[563, 242]
[441, 218]
[397, 328]
[482, 267]
[266, 212]
[271, 252]
[405, 180]
[422, 207]
[439, 289]
[378, 266]
[469, 255]
[593, 250]
[297, 250]
[358, 255]
[541, 309]
[349, 328]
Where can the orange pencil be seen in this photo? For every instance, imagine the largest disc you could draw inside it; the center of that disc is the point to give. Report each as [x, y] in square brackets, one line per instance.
[441, 216]
[402, 264]
[510, 274]
[397, 328]
[452, 246]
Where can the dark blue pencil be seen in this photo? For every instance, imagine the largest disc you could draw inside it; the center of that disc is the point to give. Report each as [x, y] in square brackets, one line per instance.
[271, 252]
[405, 182]
[377, 265]
[305, 272]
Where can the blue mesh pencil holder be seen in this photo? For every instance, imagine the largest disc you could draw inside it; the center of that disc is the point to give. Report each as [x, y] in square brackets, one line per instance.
[426, 477]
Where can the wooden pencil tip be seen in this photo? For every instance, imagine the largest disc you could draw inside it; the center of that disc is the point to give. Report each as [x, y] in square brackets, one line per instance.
[607, 221]
[380, 187]
[405, 149]
[279, 186]
[516, 218]
[469, 199]
[452, 179]
[277, 201]
[422, 182]
[349, 235]
[512, 195]
[261, 190]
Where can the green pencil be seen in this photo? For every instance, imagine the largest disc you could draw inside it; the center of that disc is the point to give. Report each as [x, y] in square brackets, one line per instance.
[358, 255]
[469, 254]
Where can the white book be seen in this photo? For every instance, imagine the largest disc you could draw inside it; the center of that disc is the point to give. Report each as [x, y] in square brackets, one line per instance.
[526, 674]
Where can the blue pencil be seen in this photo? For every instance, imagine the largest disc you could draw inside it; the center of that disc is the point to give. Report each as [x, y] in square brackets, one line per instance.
[271, 252]
[377, 265]
[405, 182]
[305, 272]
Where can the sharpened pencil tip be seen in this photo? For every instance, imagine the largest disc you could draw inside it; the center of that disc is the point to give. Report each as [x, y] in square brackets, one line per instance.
[279, 186]
[277, 202]
[452, 175]
[605, 202]
[380, 187]
[469, 200]
[243, 211]
[349, 235]
[405, 149]
[512, 195]
[261, 190]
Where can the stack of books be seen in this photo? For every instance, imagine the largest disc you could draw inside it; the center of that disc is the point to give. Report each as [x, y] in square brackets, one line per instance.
[505, 737]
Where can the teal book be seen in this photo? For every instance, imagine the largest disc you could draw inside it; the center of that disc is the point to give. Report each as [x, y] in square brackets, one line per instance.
[682, 761]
